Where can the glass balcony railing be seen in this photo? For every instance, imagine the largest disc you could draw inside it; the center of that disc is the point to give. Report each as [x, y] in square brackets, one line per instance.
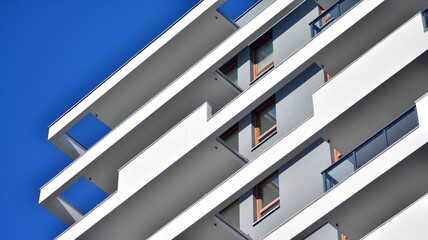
[425, 18]
[329, 15]
[370, 148]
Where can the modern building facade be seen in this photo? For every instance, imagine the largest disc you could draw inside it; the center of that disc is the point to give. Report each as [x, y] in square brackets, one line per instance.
[302, 119]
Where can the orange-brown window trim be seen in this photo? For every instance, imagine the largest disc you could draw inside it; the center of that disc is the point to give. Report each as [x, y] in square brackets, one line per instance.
[258, 137]
[255, 64]
[268, 207]
[337, 155]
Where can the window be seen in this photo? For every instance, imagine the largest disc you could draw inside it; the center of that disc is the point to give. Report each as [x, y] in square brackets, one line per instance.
[425, 16]
[230, 70]
[267, 195]
[264, 121]
[230, 137]
[231, 213]
[262, 55]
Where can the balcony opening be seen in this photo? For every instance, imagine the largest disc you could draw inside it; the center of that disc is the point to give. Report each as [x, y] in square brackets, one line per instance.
[89, 130]
[84, 195]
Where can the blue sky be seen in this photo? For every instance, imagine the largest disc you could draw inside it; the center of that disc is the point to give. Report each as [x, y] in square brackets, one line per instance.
[52, 53]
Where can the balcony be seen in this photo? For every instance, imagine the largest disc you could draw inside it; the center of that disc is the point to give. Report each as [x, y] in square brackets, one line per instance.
[329, 15]
[370, 148]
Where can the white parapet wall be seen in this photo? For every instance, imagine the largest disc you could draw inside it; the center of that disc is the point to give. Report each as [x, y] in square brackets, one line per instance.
[329, 99]
[152, 162]
[411, 223]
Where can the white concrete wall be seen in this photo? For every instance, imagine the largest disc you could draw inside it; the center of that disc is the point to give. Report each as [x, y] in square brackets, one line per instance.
[153, 161]
[349, 95]
[411, 223]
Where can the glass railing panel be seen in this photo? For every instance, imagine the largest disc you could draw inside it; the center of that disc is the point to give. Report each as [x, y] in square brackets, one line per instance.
[399, 128]
[342, 170]
[329, 15]
[370, 148]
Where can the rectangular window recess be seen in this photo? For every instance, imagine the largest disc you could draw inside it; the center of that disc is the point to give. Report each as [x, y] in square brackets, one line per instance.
[234, 9]
[262, 55]
[264, 121]
[84, 195]
[89, 130]
[267, 195]
[425, 19]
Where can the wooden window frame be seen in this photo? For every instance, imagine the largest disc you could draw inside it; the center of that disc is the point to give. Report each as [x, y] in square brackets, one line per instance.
[259, 201]
[257, 137]
[255, 65]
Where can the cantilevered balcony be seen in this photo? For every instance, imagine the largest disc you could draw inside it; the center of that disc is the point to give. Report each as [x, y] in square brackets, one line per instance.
[328, 16]
[330, 103]
[370, 148]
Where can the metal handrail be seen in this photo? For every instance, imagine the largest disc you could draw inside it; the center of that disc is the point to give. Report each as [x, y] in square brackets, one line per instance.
[352, 155]
[334, 12]
[314, 27]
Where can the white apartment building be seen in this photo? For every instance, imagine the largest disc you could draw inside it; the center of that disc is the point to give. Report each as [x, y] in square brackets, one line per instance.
[302, 119]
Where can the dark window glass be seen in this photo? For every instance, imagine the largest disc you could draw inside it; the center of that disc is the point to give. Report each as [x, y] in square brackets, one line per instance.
[263, 55]
[267, 195]
[265, 120]
[230, 70]
[230, 137]
[231, 213]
